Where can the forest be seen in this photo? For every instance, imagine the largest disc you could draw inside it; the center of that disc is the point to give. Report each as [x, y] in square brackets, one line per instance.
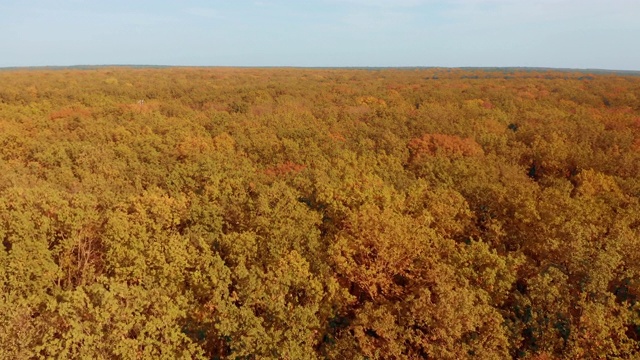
[282, 213]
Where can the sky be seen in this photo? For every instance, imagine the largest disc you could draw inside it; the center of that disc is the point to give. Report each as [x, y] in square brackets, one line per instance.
[596, 34]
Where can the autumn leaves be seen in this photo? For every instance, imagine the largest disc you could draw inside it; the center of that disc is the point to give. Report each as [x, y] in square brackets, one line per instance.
[302, 214]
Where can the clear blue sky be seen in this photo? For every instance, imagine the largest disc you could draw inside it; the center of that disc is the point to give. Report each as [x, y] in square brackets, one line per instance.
[546, 33]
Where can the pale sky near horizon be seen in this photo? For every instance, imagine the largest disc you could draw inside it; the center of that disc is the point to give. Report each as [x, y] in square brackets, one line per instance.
[603, 34]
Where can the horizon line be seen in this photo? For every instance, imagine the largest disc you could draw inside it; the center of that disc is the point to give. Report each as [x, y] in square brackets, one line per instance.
[356, 67]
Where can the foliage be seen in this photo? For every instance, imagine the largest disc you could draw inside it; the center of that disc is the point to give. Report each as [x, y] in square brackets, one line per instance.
[203, 213]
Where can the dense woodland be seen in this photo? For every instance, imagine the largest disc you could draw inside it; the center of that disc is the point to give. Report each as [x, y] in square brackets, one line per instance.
[195, 213]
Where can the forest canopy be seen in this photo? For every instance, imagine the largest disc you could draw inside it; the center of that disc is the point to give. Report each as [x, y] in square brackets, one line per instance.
[221, 213]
